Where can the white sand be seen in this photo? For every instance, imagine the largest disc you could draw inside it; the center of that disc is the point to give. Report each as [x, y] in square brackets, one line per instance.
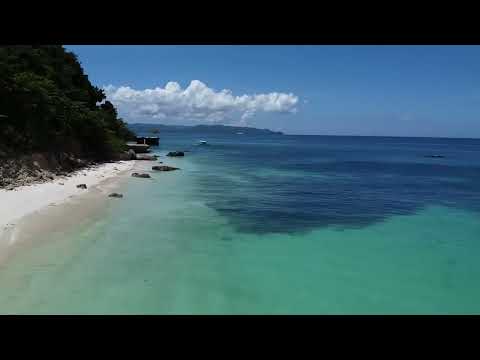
[22, 201]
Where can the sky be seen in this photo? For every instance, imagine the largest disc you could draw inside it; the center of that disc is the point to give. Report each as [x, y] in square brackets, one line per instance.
[331, 90]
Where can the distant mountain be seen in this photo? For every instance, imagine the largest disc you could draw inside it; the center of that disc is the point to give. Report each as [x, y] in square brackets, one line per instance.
[209, 129]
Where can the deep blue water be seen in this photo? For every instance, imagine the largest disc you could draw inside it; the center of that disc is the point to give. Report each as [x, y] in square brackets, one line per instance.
[271, 224]
[286, 183]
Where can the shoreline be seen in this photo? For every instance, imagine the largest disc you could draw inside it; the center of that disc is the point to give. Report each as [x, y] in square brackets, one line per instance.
[46, 207]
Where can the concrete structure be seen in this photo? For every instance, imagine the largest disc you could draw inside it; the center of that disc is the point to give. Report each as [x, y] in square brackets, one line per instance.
[138, 148]
[149, 140]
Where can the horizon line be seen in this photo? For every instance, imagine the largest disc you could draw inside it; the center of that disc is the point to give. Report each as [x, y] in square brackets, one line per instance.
[293, 134]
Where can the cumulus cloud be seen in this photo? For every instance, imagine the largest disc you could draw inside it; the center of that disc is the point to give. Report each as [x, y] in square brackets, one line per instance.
[197, 102]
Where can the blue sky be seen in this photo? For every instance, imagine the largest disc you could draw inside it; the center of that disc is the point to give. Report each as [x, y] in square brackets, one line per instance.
[335, 90]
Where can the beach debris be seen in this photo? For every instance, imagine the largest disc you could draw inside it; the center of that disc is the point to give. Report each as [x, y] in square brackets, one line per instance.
[82, 186]
[176, 153]
[115, 195]
[138, 175]
[164, 168]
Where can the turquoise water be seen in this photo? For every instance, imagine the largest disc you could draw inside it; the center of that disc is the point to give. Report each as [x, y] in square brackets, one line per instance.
[229, 235]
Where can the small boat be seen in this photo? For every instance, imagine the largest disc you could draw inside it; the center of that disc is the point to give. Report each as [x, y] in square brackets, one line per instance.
[202, 142]
[239, 133]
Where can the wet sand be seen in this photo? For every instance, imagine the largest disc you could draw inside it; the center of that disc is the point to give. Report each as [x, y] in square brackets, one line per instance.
[36, 211]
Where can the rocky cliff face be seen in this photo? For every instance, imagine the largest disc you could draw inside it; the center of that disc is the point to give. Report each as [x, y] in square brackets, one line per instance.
[36, 168]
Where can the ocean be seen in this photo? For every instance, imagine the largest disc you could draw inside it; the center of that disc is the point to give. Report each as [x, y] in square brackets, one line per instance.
[272, 224]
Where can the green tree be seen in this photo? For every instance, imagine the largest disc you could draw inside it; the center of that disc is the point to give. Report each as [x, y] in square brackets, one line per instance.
[47, 103]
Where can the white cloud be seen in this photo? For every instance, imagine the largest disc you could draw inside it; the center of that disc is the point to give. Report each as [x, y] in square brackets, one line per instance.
[197, 102]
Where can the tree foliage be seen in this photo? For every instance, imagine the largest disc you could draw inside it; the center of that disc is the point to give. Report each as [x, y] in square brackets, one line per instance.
[47, 103]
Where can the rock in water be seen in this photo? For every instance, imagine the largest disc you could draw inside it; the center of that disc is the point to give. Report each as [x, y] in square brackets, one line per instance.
[164, 168]
[82, 186]
[144, 176]
[176, 153]
[115, 195]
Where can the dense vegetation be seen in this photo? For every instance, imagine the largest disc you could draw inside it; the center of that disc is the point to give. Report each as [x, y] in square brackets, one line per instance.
[47, 104]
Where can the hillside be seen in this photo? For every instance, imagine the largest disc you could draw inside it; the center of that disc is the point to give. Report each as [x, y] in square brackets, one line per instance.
[47, 104]
[52, 119]
[208, 129]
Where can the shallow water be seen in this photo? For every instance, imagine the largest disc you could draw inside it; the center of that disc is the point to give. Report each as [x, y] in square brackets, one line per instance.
[272, 225]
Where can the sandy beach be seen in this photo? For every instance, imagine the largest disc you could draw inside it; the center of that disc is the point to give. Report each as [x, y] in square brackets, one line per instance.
[21, 207]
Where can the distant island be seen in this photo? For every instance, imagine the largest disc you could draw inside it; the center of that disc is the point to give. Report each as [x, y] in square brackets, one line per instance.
[142, 128]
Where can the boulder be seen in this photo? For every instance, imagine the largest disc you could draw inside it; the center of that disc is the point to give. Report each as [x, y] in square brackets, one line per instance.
[80, 162]
[164, 168]
[138, 175]
[123, 156]
[147, 157]
[176, 153]
[115, 195]
[131, 155]
[82, 186]
[40, 161]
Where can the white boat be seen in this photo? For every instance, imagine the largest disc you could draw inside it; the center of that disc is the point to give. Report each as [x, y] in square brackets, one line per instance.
[202, 142]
